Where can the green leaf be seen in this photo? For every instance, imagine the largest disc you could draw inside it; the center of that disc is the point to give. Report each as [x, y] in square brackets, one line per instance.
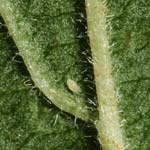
[47, 37]
[28, 119]
[131, 68]
[51, 38]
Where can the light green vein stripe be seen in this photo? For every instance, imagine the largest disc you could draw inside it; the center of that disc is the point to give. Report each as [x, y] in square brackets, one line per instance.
[110, 135]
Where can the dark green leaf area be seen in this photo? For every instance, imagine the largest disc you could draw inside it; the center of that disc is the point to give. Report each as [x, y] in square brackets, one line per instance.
[130, 47]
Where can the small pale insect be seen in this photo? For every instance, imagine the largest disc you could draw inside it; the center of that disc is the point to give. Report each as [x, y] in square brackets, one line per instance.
[73, 86]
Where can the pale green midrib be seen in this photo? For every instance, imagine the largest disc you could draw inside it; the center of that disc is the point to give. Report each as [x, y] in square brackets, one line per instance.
[108, 126]
[23, 42]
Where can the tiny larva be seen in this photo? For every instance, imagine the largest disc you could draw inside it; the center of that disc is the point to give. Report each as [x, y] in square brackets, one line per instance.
[73, 86]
